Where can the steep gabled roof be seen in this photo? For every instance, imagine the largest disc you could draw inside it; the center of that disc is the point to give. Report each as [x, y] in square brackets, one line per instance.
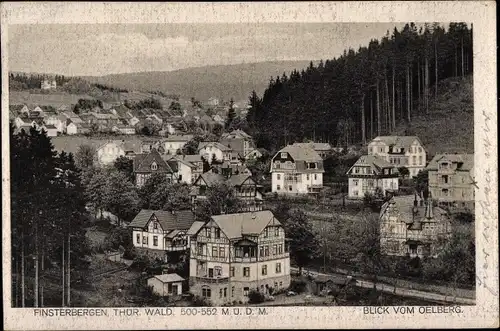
[169, 278]
[372, 161]
[464, 162]
[211, 179]
[142, 163]
[237, 180]
[169, 221]
[251, 223]
[184, 138]
[315, 146]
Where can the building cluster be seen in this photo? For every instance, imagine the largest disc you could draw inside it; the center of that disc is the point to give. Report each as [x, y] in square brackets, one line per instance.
[117, 118]
[229, 255]
[413, 225]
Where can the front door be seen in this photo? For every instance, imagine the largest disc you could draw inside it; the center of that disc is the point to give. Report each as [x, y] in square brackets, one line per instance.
[174, 289]
[210, 272]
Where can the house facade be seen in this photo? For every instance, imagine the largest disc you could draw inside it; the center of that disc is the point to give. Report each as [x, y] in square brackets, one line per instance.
[108, 152]
[235, 253]
[166, 285]
[174, 144]
[297, 170]
[158, 232]
[238, 141]
[412, 226]
[214, 150]
[185, 169]
[400, 151]
[145, 165]
[370, 172]
[246, 189]
[451, 180]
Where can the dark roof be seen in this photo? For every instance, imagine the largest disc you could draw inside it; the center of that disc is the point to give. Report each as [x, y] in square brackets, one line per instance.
[169, 221]
[237, 225]
[464, 161]
[210, 178]
[237, 180]
[143, 162]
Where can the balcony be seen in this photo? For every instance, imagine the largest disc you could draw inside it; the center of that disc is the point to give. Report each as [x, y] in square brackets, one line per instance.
[176, 248]
[274, 257]
[244, 259]
[210, 258]
[211, 280]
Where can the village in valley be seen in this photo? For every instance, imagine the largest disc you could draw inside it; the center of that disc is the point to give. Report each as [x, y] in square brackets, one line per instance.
[143, 198]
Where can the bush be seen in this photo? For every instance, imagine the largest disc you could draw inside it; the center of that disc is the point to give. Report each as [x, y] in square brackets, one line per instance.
[298, 286]
[130, 254]
[255, 296]
[198, 301]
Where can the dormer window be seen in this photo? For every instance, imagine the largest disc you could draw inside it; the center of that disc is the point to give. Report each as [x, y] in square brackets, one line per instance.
[311, 165]
[154, 166]
[283, 155]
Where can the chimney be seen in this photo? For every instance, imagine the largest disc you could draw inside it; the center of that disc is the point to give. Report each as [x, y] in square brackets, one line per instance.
[173, 212]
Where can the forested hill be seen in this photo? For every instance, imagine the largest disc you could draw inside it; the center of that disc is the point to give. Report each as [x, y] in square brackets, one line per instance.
[390, 85]
[221, 81]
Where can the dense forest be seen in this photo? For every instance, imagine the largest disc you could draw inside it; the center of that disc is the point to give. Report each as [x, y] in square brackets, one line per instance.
[363, 93]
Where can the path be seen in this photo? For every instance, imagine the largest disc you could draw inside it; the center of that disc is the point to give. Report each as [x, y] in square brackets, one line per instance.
[402, 291]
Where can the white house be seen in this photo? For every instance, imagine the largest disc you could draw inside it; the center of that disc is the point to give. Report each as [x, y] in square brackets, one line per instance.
[214, 150]
[166, 284]
[157, 232]
[108, 152]
[400, 151]
[59, 121]
[50, 129]
[233, 254]
[370, 172]
[174, 144]
[185, 169]
[297, 170]
[71, 128]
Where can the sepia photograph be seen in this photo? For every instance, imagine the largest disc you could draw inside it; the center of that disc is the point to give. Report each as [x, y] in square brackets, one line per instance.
[242, 164]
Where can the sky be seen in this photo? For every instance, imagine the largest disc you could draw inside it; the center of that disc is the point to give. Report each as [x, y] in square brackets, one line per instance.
[101, 49]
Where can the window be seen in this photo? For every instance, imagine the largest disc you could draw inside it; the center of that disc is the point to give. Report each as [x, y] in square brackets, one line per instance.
[266, 250]
[276, 231]
[200, 249]
[444, 192]
[420, 149]
[420, 160]
[307, 177]
[145, 240]
[311, 165]
[220, 293]
[275, 249]
[225, 292]
[281, 284]
[222, 252]
[218, 271]
[207, 232]
[283, 155]
[214, 252]
[381, 149]
[278, 177]
[369, 150]
[206, 292]
[231, 271]
[278, 187]
[264, 270]
[356, 170]
[444, 179]
[138, 238]
[414, 158]
[169, 288]
[155, 240]
[289, 187]
[315, 177]
[155, 226]
[278, 268]
[246, 290]
[280, 249]
[232, 291]
[266, 232]
[217, 233]
[154, 166]
[261, 251]
[246, 272]
[356, 182]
